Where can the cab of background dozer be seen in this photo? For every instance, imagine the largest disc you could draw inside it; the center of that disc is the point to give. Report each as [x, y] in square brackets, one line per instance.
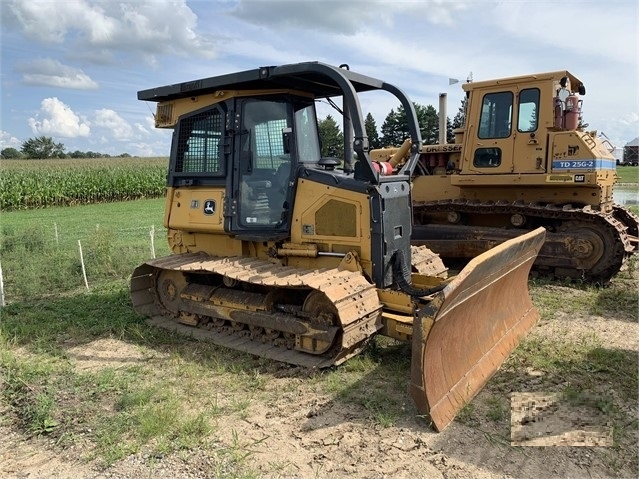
[246, 177]
[523, 139]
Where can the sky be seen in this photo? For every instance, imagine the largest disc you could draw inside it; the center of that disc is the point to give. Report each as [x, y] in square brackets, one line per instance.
[71, 69]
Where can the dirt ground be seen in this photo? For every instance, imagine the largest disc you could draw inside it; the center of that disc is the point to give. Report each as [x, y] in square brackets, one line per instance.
[304, 434]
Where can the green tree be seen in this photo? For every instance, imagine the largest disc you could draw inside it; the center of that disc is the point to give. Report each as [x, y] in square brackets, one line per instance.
[460, 118]
[331, 138]
[42, 147]
[371, 132]
[395, 127]
[428, 123]
[10, 153]
[450, 136]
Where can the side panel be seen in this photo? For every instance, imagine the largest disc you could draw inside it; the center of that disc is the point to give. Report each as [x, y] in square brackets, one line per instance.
[197, 209]
[434, 188]
[391, 230]
[579, 151]
[335, 219]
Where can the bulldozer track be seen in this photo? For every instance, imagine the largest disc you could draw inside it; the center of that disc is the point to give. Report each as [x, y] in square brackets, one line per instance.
[619, 227]
[354, 299]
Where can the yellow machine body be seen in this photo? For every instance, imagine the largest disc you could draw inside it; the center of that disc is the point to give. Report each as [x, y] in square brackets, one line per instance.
[279, 254]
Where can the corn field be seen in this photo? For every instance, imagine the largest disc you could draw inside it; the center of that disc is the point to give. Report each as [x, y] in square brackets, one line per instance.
[26, 184]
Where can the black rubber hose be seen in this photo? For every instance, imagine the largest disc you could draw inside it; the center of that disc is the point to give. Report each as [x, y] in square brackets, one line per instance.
[401, 271]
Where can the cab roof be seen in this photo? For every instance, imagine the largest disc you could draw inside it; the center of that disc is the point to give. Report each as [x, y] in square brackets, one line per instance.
[316, 78]
[536, 77]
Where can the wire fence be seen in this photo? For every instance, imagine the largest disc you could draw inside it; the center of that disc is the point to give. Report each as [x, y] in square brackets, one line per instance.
[51, 260]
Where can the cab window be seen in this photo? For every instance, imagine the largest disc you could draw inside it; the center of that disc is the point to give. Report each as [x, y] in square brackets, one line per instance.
[528, 113]
[200, 147]
[487, 157]
[496, 115]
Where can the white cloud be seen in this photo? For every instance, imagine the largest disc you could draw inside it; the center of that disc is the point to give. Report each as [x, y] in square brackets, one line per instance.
[7, 140]
[58, 120]
[620, 129]
[118, 126]
[140, 127]
[50, 72]
[146, 27]
[342, 17]
[572, 24]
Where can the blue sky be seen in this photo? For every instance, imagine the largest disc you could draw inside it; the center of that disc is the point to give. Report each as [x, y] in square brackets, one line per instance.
[71, 69]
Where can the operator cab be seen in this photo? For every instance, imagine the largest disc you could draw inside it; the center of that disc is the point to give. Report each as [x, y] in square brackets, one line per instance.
[253, 153]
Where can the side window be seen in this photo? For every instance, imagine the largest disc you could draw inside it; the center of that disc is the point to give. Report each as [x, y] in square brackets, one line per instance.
[264, 125]
[306, 134]
[268, 142]
[200, 144]
[487, 157]
[528, 114]
[496, 115]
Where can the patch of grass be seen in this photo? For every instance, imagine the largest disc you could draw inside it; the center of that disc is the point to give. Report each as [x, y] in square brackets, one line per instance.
[600, 402]
[29, 388]
[627, 174]
[496, 409]
[585, 363]
[620, 299]
[466, 415]
[46, 324]
[552, 296]
[124, 408]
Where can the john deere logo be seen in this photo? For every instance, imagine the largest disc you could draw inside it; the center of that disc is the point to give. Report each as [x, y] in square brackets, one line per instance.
[209, 207]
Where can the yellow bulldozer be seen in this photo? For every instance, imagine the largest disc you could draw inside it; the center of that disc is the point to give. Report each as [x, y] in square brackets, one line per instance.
[285, 254]
[523, 160]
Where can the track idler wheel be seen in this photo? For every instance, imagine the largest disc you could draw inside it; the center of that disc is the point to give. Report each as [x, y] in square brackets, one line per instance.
[168, 286]
[320, 312]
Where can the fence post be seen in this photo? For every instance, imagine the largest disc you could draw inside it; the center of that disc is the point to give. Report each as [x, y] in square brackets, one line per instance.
[152, 233]
[2, 303]
[84, 271]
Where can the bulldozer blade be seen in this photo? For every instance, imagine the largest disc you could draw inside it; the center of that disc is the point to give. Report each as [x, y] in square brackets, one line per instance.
[462, 337]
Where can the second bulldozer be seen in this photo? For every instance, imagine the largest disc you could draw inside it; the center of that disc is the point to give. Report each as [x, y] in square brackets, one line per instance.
[279, 253]
[523, 160]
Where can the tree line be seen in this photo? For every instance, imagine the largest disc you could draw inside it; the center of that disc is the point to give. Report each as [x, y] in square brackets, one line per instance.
[394, 130]
[43, 147]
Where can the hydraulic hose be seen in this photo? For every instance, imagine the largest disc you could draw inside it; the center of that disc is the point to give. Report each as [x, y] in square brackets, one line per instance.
[401, 271]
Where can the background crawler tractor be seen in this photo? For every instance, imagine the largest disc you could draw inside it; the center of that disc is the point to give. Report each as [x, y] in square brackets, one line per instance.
[279, 253]
[522, 161]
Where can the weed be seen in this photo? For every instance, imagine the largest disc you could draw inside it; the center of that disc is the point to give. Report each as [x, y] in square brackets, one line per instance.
[466, 415]
[241, 406]
[496, 410]
[232, 459]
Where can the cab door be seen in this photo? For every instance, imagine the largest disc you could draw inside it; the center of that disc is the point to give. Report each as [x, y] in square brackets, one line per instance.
[528, 147]
[491, 133]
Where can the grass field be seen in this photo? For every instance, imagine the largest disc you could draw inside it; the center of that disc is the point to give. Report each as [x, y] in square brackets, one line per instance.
[628, 174]
[40, 253]
[167, 394]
